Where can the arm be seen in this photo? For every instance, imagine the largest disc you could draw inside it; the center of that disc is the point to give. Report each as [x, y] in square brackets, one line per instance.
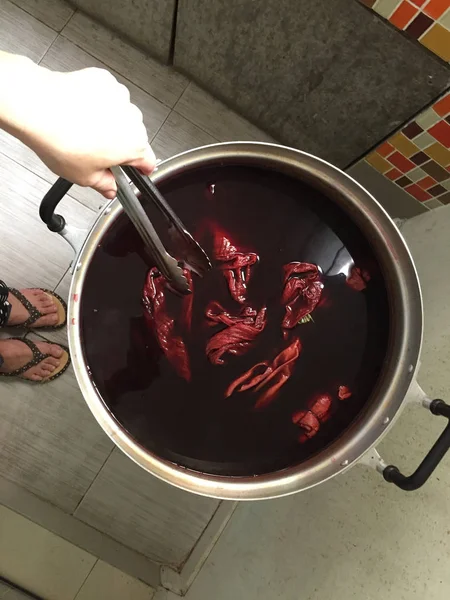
[78, 123]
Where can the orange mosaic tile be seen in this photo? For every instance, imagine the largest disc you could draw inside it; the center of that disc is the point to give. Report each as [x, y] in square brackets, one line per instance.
[403, 14]
[426, 182]
[385, 149]
[393, 174]
[442, 106]
[425, 20]
[436, 8]
[422, 173]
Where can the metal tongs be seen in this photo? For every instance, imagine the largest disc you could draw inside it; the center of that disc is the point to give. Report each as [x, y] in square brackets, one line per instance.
[192, 255]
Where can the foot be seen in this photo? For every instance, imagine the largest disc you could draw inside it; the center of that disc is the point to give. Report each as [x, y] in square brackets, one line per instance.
[16, 354]
[42, 301]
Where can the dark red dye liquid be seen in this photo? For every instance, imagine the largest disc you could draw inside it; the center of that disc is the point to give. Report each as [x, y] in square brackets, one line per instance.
[193, 423]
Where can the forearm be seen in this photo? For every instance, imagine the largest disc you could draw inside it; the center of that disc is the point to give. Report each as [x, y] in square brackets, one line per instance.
[79, 123]
[20, 80]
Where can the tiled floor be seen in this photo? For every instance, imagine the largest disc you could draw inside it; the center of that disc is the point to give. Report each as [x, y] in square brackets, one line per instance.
[40, 452]
[301, 546]
[54, 569]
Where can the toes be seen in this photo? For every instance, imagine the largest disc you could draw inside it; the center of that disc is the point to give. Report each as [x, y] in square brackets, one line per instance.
[53, 361]
[52, 349]
[48, 309]
[45, 369]
[35, 377]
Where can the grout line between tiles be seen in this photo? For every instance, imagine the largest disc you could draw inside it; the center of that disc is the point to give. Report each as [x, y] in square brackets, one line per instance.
[65, 273]
[161, 126]
[45, 53]
[85, 579]
[92, 482]
[109, 67]
[45, 180]
[16, 4]
[69, 19]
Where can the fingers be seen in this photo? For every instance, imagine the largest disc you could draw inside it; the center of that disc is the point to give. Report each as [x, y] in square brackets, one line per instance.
[105, 184]
[146, 163]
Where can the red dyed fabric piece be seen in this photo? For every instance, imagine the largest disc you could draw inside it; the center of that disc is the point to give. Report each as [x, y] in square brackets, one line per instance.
[301, 293]
[268, 376]
[241, 330]
[163, 324]
[235, 265]
[344, 392]
[309, 420]
[358, 278]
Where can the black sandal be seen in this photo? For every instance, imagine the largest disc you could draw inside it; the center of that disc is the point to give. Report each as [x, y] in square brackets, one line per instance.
[38, 357]
[35, 314]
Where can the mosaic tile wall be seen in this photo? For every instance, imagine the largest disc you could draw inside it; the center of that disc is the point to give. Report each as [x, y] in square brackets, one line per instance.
[417, 158]
[425, 20]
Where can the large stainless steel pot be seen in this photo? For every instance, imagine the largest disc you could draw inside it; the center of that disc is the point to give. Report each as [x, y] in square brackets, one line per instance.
[396, 384]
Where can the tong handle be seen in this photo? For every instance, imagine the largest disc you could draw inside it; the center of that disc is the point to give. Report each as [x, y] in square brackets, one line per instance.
[146, 185]
[193, 254]
[166, 263]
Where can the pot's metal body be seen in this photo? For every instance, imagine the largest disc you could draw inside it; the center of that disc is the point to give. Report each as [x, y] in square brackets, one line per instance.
[405, 337]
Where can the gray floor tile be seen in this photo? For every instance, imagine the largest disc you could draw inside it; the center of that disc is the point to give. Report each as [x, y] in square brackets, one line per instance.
[13, 148]
[393, 199]
[105, 581]
[66, 56]
[40, 561]
[30, 254]
[21, 33]
[51, 443]
[147, 22]
[216, 119]
[163, 83]
[54, 13]
[146, 514]
[178, 135]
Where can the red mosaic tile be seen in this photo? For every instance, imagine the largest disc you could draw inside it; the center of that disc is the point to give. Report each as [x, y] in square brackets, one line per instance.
[441, 132]
[393, 174]
[418, 2]
[403, 14]
[385, 149]
[442, 106]
[426, 182]
[417, 192]
[401, 162]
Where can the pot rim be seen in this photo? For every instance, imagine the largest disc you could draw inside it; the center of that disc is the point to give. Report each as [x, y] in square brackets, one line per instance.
[405, 337]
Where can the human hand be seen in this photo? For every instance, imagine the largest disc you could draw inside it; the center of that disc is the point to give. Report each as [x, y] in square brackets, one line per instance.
[80, 124]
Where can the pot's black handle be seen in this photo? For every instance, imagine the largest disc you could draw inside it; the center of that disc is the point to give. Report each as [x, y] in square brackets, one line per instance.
[49, 203]
[431, 460]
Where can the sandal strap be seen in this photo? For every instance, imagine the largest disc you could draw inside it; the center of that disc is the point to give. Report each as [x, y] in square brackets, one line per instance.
[35, 314]
[38, 357]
